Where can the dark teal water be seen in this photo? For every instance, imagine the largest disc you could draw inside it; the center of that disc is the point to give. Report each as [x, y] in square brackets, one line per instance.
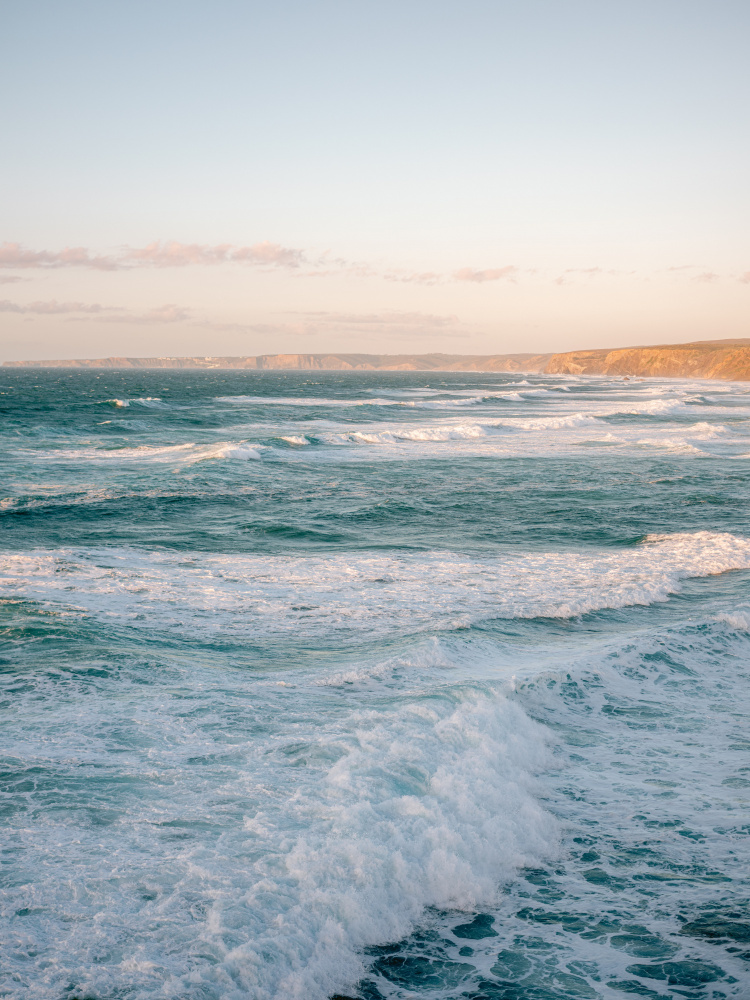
[373, 684]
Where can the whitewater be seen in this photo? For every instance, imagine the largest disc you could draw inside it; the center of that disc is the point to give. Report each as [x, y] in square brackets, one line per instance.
[373, 685]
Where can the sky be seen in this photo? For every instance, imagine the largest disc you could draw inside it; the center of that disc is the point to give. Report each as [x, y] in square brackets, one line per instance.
[489, 176]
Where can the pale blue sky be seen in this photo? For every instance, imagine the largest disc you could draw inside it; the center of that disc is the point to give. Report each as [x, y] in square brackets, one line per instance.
[405, 138]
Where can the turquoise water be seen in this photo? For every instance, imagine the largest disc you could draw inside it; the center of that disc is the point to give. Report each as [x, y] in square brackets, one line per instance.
[377, 685]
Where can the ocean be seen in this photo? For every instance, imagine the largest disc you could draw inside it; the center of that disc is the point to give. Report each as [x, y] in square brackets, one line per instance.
[373, 685]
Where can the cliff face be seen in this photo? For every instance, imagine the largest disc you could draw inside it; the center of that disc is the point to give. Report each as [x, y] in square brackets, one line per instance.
[328, 362]
[406, 362]
[707, 359]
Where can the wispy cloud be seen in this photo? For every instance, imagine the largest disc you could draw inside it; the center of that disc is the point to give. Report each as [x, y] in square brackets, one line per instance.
[507, 273]
[87, 310]
[412, 277]
[706, 278]
[571, 273]
[53, 307]
[300, 263]
[308, 323]
[161, 314]
[382, 319]
[159, 254]
[173, 254]
[703, 276]
[14, 255]
[386, 324]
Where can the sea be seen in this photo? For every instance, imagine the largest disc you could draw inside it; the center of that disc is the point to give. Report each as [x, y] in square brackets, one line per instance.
[373, 685]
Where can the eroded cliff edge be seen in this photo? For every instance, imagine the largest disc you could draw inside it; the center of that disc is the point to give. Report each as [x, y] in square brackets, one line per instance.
[720, 359]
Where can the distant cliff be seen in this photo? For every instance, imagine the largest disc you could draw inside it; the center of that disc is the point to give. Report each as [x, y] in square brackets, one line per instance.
[334, 362]
[721, 359]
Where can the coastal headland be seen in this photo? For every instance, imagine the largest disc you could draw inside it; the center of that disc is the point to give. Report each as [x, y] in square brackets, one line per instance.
[719, 359]
[714, 359]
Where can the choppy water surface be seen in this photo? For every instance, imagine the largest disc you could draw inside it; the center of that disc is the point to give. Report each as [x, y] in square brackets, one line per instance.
[382, 685]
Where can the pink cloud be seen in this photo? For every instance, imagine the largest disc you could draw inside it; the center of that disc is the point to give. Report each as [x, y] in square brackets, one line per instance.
[492, 274]
[703, 277]
[13, 255]
[166, 254]
[415, 278]
[268, 253]
[174, 254]
[706, 277]
[745, 278]
[53, 307]
[591, 272]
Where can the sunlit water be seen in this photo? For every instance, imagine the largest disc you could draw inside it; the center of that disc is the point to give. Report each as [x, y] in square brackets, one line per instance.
[382, 685]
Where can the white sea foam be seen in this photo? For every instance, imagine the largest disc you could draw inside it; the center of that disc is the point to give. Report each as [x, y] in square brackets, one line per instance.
[153, 401]
[510, 419]
[310, 401]
[297, 439]
[426, 802]
[506, 436]
[551, 423]
[253, 596]
[539, 391]
[428, 657]
[671, 444]
[441, 404]
[739, 618]
[242, 453]
[185, 453]
[139, 453]
[658, 407]
[456, 398]
[706, 430]
[398, 433]
[199, 824]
